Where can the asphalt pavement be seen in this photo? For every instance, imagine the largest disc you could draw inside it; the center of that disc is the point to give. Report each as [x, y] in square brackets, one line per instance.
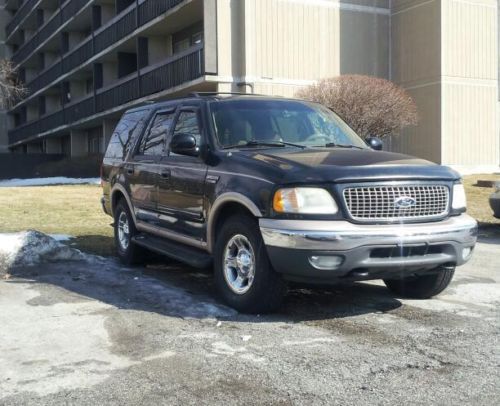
[98, 333]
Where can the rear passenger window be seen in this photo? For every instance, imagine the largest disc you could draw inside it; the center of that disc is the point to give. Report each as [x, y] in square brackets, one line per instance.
[153, 141]
[125, 135]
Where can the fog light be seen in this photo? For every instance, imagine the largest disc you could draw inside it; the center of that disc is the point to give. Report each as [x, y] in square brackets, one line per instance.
[325, 262]
[466, 253]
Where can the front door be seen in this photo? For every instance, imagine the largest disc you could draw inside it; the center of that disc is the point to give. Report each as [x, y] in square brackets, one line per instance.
[182, 183]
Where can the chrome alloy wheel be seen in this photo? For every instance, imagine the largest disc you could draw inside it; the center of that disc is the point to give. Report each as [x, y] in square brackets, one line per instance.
[123, 231]
[239, 264]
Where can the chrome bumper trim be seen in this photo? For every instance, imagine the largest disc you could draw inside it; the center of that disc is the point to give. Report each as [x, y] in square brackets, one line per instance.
[342, 235]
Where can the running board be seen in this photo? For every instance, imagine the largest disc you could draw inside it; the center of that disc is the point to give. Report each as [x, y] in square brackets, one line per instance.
[180, 252]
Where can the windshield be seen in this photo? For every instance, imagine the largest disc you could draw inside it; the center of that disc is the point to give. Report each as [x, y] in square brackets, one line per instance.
[248, 122]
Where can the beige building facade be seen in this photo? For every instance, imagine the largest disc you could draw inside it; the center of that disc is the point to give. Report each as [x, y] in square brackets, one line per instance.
[444, 52]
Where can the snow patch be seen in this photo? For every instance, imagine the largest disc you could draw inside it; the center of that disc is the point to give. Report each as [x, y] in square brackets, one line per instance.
[30, 248]
[59, 180]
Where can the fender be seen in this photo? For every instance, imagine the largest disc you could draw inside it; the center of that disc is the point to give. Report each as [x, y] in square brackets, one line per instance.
[118, 187]
[229, 197]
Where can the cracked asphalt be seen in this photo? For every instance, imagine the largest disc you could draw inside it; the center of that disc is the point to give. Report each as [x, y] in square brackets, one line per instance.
[97, 333]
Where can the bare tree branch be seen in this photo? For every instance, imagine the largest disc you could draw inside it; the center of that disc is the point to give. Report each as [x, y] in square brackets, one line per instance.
[11, 89]
[370, 105]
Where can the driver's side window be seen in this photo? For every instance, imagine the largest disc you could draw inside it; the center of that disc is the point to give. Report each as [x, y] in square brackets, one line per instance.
[188, 123]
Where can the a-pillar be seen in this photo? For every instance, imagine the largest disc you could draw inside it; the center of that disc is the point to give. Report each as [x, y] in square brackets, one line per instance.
[79, 143]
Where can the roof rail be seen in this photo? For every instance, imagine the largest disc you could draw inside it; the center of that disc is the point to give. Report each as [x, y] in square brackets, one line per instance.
[201, 94]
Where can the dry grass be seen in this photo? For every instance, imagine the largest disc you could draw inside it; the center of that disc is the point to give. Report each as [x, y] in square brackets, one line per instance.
[71, 209]
[75, 210]
[478, 199]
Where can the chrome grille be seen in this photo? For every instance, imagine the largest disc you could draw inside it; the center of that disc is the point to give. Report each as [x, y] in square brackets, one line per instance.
[383, 203]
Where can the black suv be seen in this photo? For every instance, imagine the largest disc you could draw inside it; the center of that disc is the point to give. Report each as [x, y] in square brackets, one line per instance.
[272, 190]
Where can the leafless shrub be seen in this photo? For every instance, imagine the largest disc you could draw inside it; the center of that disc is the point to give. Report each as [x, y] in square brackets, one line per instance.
[371, 106]
[11, 89]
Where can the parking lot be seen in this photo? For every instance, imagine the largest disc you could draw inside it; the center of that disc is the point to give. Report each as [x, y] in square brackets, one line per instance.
[95, 332]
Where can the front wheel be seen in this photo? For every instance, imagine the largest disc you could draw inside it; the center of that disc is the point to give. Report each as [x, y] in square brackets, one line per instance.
[422, 286]
[243, 274]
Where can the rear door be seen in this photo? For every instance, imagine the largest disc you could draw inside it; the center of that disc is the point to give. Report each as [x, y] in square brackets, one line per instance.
[182, 187]
[144, 170]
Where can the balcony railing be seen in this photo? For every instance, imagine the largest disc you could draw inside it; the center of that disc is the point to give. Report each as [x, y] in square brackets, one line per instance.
[105, 37]
[148, 10]
[77, 56]
[46, 78]
[172, 72]
[118, 29]
[23, 11]
[68, 10]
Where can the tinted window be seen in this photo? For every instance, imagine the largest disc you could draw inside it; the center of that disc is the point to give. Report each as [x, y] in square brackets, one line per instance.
[188, 123]
[153, 141]
[126, 133]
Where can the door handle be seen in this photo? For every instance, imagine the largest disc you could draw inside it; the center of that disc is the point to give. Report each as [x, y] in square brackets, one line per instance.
[165, 174]
[130, 171]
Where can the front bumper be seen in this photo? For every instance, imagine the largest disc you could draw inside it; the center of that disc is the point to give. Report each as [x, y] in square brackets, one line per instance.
[366, 251]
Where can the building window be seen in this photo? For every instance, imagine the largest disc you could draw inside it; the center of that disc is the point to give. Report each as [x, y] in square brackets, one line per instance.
[188, 37]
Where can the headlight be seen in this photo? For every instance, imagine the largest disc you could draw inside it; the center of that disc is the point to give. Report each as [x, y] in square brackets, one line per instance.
[459, 199]
[304, 200]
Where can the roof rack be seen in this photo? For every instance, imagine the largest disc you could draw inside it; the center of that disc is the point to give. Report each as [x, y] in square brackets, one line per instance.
[201, 94]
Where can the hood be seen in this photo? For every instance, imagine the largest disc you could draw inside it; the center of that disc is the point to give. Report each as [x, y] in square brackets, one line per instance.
[347, 165]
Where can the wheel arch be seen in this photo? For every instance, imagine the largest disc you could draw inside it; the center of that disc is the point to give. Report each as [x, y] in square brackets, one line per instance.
[225, 205]
[119, 192]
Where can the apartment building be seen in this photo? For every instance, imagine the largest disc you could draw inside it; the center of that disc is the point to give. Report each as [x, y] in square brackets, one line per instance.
[85, 61]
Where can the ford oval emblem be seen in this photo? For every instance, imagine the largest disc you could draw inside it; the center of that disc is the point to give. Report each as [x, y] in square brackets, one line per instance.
[404, 202]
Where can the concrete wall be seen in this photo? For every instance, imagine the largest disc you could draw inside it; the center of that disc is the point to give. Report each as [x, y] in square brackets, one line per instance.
[470, 133]
[416, 66]
[445, 54]
[281, 45]
[159, 48]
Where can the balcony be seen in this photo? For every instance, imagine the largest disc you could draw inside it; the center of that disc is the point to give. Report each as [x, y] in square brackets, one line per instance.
[121, 26]
[172, 72]
[26, 8]
[68, 10]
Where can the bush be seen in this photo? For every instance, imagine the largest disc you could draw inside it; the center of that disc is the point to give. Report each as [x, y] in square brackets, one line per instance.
[371, 106]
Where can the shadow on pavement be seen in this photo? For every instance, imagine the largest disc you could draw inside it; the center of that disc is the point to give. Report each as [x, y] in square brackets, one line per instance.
[489, 233]
[179, 291]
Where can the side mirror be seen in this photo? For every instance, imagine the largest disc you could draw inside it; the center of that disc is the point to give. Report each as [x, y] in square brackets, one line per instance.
[184, 144]
[375, 143]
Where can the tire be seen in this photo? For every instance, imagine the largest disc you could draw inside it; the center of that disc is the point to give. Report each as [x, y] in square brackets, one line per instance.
[240, 243]
[422, 286]
[128, 252]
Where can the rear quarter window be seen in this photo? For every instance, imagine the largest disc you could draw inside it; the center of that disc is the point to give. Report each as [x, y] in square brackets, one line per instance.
[126, 133]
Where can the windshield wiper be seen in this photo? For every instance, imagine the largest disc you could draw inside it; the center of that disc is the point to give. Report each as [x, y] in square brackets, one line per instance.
[256, 143]
[334, 145]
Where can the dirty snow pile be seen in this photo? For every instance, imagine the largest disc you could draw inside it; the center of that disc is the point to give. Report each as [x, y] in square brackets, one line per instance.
[30, 248]
[60, 180]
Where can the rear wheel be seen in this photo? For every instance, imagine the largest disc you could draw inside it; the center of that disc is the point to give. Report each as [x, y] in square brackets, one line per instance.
[422, 286]
[243, 274]
[128, 252]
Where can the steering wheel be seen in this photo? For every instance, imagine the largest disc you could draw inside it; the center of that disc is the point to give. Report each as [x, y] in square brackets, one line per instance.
[318, 138]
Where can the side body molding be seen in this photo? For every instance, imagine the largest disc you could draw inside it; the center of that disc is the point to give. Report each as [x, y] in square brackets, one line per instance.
[217, 207]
